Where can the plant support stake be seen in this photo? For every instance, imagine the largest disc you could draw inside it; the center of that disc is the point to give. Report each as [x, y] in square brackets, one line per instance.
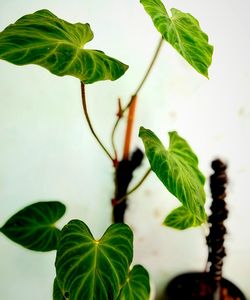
[215, 239]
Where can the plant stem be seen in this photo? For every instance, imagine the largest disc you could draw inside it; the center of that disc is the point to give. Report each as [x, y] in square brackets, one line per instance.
[219, 212]
[124, 169]
[157, 51]
[123, 176]
[135, 187]
[85, 110]
[156, 54]
[130, 123]
[119, 116]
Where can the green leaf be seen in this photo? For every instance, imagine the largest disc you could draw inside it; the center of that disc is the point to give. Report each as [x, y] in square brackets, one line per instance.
[137, 285]
[182, 218]
[93, 269]
[34, 226]
[183, 32]
[57, 293]
[177, 168]
[43, 39]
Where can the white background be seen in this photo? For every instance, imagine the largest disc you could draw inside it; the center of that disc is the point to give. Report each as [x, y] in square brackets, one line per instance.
[48, 153]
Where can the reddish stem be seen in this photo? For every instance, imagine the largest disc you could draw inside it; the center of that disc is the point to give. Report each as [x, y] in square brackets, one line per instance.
[130, 123]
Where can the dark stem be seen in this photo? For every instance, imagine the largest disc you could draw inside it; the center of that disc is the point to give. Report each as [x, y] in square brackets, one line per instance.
[85, 110]
[123, 177]
[136, 186]
[219, 212]
[126, 167]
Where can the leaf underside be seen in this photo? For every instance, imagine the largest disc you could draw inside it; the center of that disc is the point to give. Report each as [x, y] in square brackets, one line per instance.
[183, 32]
[43, 39]
[33, 227]
[97, 269]
[177, 168]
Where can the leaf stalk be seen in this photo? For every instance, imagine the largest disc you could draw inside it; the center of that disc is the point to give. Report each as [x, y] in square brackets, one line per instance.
[85, 110]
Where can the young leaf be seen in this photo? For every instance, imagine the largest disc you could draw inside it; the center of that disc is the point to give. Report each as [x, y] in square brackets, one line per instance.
[137, 285]
[43, 39]
[177, 168]
[183, 32]
[34, 226]
[93, 269]
[182, 218]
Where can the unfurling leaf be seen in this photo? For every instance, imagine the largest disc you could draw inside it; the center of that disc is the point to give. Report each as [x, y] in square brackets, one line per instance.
[34, 226]
[43, 39]
[177, 168]
[183, 32]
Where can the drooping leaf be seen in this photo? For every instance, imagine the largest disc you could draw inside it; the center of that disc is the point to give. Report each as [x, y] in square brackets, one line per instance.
[93, 269]
[34, 226]
[57, 293]
[177, 168]
[183, 32]
[182, 218]
[43, 39]
[137, 285]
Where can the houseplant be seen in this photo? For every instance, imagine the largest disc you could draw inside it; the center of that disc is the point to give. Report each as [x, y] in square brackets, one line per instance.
[116, 202]
[210, 284]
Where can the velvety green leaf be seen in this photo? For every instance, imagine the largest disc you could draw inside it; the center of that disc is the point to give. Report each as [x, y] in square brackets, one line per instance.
[182, 218]
[183, 32]
[177, 168]
[34, 226]
[93, 269]
[57, 293]
[137, 285]
[43, 39]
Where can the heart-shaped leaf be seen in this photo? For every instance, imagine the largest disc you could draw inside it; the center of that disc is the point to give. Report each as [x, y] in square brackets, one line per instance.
[177, 168]
[182, 218]
[43, 39]
[183, 32]
[93, 269]
[137, 285]
[34, 226]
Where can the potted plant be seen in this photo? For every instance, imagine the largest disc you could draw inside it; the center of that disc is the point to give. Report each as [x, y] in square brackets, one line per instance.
[210, 284]
[89, 268]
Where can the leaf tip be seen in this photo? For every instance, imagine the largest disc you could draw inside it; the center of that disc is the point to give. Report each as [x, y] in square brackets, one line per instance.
[141, 130]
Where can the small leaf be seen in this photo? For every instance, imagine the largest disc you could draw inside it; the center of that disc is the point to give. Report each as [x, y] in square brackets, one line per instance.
[34, 226]
[177, 168]
[93, 269]
[43, 39]
[57, 293]
[183, 32]
[137, 285]
[182, 218]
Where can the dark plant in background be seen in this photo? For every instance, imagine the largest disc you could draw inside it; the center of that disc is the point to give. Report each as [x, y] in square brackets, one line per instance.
[209, 285]
[87, 268]
[217, 230]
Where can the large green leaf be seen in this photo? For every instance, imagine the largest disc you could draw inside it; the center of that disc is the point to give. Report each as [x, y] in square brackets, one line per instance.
[93, 269]
[177, 168]
[182, 218]
[137, 285]
[43, 39]
[183, 32]
[34, 226]
[57, 293]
